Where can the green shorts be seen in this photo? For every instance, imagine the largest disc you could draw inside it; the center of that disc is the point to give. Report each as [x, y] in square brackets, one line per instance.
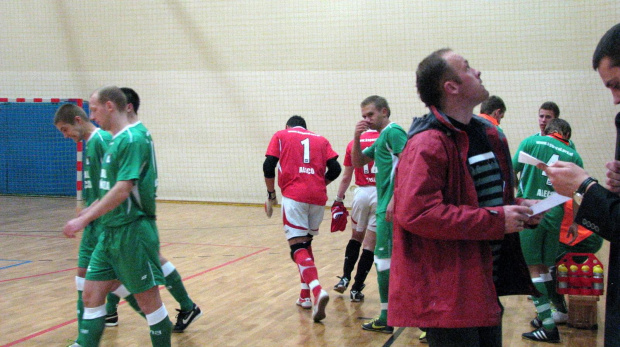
[383, 248]
[90, 236]
[130, 254]
[540, 245]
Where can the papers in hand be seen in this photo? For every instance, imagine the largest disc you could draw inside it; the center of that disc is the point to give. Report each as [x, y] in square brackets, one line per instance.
[528, 159]
[551, 201]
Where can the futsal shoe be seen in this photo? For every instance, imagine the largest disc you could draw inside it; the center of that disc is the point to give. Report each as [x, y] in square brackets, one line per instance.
[185, 318]
[304, 303]
[377, 325]
[357, 295]
[342, 285]
[111, 320]
[318, 311]
[543, 335]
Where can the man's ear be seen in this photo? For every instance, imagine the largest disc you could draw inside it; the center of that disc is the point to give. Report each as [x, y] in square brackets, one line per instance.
[451, 87]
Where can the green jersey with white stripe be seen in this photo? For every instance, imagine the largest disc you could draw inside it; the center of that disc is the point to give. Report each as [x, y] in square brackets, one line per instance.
[130, 158]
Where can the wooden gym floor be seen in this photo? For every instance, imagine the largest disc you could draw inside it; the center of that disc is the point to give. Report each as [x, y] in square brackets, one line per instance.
[236, 266]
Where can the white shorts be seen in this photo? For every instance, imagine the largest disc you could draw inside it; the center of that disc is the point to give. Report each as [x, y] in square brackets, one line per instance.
[364, 209]
[301, 219]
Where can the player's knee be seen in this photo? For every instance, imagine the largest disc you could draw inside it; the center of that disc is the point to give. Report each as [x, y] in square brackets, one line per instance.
[297, 246]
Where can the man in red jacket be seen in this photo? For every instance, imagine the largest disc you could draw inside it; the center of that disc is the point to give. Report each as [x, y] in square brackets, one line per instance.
[456, 219]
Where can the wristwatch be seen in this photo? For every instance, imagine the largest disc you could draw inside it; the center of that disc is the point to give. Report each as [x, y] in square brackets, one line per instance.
[578, 194]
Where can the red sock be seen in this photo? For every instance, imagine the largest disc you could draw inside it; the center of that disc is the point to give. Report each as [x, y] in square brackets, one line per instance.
[307, 270]
[305, 290]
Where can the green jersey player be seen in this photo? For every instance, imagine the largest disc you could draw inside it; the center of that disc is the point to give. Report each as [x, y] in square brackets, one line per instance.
[129, 246]
[540, 245]
[384, 152]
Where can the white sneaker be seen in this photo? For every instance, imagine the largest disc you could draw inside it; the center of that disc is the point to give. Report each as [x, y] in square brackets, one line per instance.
[304, 303]
[559, 317]
[318, 311]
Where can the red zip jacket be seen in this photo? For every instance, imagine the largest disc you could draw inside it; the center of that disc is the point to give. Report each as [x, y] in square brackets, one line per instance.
[442, 267]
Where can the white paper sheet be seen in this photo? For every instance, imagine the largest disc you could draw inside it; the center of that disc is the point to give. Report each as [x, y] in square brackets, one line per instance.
[551, 201]
[528, 159]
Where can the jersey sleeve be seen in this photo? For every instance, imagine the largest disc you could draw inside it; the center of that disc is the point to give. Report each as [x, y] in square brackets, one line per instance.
[518, 167]
[370, 151]
[347, 155]
[397, 140]
[132, 159]
[273, 148]
[329, 151]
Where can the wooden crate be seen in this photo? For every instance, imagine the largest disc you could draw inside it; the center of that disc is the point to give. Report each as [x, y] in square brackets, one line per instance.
[582, 311]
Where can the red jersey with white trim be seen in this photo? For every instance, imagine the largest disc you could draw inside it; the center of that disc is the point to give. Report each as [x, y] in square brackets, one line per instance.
[364, 176]
[303, 157]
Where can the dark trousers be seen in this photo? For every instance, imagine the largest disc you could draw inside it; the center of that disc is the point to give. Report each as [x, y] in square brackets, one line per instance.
[466, 337]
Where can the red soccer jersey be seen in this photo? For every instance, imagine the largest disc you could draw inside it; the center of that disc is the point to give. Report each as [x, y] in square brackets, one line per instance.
[364, 176]
[303, 156]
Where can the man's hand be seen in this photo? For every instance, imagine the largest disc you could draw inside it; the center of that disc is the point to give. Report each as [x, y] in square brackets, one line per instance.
[271, 200]
[516, 216]
[73, 226]
[535, 219]
[613, 176]
[360, 127]
[565, 177]
[572, 232]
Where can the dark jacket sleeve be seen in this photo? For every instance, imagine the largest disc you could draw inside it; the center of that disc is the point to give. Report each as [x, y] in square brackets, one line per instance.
[600, 212]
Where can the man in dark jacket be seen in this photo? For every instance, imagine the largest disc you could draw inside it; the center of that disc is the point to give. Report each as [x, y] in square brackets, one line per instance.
[455, 214]
[599, 208]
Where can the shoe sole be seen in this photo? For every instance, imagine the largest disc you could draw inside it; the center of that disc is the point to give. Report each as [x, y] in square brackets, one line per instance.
[547, 341]
[340, 289]
[188, 324]
[111, 324]
[378, 330]
[319, 315]
[306, 307]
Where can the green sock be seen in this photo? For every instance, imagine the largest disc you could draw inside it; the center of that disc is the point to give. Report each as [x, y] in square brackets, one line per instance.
[383, 279]
[161, 333]
[111, 303]
[91, 331]
[557, 299]
[80, 309]
[175, 286]
[542, 305]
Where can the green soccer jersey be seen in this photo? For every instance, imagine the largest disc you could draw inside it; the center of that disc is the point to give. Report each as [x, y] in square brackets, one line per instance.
[533, 183]
[140, 127]
[129, 158]
[384, 152]
[96, 145]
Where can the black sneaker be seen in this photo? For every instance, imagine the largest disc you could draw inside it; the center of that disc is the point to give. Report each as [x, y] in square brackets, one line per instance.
[111, 320]
[357, 295]
[185, 318]
[543, 335]
[342, 285]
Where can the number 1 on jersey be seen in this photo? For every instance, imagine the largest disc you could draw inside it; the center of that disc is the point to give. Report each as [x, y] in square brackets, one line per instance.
[306, 144]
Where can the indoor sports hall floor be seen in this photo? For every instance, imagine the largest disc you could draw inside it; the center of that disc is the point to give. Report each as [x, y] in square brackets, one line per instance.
[236, 267]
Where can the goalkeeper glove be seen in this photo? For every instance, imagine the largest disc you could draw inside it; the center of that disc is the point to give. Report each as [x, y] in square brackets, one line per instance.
[339, 216]
[271, 200]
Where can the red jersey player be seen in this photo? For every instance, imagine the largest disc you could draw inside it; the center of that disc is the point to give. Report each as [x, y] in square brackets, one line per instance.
[307, 164]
